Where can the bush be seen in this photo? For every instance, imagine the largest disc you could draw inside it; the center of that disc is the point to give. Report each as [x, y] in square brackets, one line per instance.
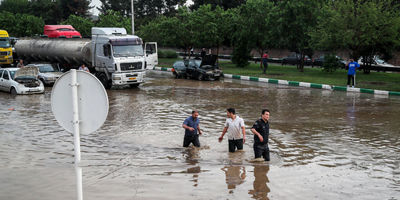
[331, 63]
[167, 54]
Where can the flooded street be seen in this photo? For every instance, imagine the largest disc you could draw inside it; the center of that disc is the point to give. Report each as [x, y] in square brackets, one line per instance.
[325, 145]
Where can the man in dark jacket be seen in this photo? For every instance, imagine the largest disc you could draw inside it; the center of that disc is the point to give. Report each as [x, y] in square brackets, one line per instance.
[260, 130]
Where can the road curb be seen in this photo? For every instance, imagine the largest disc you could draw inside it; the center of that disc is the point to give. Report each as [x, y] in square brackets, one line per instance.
[302, 84]
[313, 85]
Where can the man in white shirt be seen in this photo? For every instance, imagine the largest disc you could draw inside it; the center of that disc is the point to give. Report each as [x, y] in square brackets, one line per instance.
[234, 125]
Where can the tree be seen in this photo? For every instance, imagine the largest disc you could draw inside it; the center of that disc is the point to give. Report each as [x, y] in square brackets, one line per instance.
[21, 25]
[366, 28]
[257, 25]
[295, 21]
[81, 24]
[75, 7]
[48, 10]
[15, 6]
[225, 4]
[114, 19]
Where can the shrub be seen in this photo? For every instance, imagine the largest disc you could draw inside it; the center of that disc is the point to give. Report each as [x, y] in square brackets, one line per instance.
[331, 63]
[167, 54]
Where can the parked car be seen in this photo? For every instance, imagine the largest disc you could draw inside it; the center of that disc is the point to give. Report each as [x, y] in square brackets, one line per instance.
[320, 61]
[48, 73]
[295, 59]
[179, 68]
[21, 80]
[376, 61]
[204, 69]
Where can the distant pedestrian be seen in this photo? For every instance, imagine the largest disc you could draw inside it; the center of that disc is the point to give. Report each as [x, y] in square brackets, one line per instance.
[84, 68]
[192, 130]
[265, 61]
[203, 53]
[234, 125]
[191, 51]
[20, 64]
[260, 130]
[352, 67]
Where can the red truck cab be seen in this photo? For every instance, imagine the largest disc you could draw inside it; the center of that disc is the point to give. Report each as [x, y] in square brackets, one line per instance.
[61, 31]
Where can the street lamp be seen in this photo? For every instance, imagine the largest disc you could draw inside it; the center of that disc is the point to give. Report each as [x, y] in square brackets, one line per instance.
[133, 20]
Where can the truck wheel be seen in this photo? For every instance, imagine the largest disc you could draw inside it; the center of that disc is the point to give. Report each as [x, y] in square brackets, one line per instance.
[134, 85]
[103, 79]
[13, 91]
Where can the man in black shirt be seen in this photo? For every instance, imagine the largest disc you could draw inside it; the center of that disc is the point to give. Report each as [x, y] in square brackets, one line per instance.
[260, 130]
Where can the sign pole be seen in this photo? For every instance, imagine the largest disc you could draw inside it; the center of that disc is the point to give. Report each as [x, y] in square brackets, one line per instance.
[77, 144]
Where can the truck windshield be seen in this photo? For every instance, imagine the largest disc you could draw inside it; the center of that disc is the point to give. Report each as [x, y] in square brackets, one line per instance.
[5, 42]
[128, 50]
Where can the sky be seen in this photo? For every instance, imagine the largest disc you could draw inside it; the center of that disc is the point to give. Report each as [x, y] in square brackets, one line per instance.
[97, 3]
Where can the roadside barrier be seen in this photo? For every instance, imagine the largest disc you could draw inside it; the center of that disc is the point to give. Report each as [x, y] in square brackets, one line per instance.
[302, 84]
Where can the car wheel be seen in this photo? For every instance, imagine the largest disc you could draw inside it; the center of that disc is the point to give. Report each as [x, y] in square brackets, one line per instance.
[13, 91]
[200, 77]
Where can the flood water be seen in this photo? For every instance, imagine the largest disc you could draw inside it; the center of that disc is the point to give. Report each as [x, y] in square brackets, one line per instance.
[325, 145]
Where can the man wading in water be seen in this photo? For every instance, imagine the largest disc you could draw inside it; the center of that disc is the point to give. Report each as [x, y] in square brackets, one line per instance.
[192, 130]
[260, 130]
[233, 125]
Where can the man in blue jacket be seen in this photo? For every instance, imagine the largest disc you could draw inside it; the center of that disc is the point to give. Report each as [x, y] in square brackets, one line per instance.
[352, 72]
[192, 130]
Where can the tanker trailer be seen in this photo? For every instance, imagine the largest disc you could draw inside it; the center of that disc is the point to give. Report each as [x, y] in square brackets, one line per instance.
[113, 56]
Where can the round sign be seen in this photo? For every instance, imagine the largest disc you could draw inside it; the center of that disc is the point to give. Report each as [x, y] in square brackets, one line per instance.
[92, 102]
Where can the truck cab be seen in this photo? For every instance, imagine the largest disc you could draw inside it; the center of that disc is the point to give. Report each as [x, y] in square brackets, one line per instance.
[119, 59]
[6, 57]
[61, 31]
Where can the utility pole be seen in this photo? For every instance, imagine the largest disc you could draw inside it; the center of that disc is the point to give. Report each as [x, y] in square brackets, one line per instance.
[133, 18]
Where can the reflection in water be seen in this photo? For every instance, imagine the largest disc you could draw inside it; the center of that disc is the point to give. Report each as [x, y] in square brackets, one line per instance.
[191, 155]
[137, 154]
[260, 188]
[235, 175]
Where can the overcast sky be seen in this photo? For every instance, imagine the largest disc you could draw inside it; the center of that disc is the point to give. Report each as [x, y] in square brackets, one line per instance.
[97, 3]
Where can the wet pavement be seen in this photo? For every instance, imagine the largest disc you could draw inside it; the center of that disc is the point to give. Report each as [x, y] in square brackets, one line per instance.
[325, 145]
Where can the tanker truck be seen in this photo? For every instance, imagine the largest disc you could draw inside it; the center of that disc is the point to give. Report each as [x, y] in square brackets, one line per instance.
[114, 57]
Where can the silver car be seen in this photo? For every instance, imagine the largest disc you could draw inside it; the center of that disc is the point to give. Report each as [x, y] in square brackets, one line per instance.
[48, 74]
[21, 80]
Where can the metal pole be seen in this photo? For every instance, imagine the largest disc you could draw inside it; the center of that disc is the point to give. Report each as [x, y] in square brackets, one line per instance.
[77, 144]
[133, 18]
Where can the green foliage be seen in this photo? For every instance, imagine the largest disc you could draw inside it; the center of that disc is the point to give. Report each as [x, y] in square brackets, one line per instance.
[366, 28]
[225, 4]
[21, 25]
[331, 63]
[167, 54]
[81, 24]
[75, 7]
[241, 53]
[114, 19]
[294, 22]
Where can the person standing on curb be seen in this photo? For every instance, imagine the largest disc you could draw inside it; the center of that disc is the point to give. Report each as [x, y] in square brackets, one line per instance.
[260, 130]
[351, 72]
[265, 62]
[234, 125]
[192, 130]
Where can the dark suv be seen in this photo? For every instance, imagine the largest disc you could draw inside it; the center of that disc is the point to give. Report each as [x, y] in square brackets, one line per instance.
[205, 69]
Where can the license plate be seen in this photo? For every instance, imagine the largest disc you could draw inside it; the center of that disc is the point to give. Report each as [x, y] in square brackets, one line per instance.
[133, 78]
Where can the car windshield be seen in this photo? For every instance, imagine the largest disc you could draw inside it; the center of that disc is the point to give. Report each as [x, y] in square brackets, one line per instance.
[128, 50]
[46, 68]
[379, 61]
[12, 74]
[5, 42]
